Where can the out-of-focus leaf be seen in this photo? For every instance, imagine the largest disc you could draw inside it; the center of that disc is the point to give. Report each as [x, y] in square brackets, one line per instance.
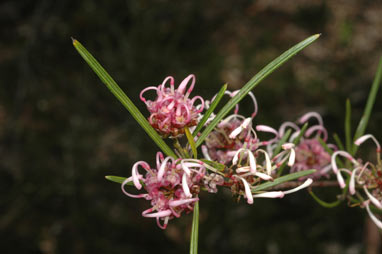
[338, 142]
[369, 106]
[348, 126]
[282, 141]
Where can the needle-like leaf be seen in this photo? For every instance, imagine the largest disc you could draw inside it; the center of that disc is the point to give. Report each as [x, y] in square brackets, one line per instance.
[283, 179]
[369, 106]
[122, 97]
[195, 230]
[210, 110]
[254, 82]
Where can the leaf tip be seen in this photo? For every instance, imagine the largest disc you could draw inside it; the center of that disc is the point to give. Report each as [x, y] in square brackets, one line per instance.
[74, 41]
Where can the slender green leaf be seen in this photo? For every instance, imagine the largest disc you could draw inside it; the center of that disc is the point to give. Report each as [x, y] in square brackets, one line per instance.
[323, 203]
[325, 146]
[283, 179]
[195, 230]
[210, 110]
[282, 141]
[121, 179]
[214, 164]
[254, 82]
[369, 106]
[122, 97]
[338, 142]
[118, 179]
[191, 142]
[295, 142]
[348, 126]
[302, 132]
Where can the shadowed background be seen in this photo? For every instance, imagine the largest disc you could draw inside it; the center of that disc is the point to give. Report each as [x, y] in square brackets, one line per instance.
[62, 131]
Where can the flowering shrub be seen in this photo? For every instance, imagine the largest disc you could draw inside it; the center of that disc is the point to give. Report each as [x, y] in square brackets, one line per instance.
[233, 154]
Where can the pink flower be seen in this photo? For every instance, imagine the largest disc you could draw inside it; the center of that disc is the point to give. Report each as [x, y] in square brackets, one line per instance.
[172, 187]
[173, 110]
[310, 154]
[231, 134]
[367, 177]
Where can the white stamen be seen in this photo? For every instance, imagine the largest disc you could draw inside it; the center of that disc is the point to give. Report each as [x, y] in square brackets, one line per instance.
[344, 154]
[157, 214]
[340, 179]
[181, 202]
[377, 222]
[287, 146]
[352, 181]
[239, 129]
[242, 169]
[162, 168]
[375, 201]
[185, 168]
[248, 193]
[185, 186]
[292, 157]
[252, 161]
[270, 194]
[136, 175]
[308, 115]
[266, 128]
[363, 138]
[308, 182]
[263, 176]
[205, 152]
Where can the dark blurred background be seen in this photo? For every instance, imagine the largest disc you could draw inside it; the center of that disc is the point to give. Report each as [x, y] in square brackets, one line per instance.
[62, 131]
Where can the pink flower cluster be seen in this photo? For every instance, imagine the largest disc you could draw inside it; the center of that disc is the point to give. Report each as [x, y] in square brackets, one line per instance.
[231, 134]
[173, 110]
[310, 154]
[172, 186]
[365, 178]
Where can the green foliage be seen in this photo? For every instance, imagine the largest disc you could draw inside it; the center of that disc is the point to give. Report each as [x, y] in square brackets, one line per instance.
[254, 82]
[195, 230]
[282, 179]
[122, 97]
[369, 106]
[210, 110]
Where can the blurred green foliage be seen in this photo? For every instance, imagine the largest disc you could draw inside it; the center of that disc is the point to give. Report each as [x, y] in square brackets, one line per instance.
[61, 131]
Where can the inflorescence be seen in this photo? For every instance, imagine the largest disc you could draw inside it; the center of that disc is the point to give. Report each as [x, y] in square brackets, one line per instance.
[234, 157]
